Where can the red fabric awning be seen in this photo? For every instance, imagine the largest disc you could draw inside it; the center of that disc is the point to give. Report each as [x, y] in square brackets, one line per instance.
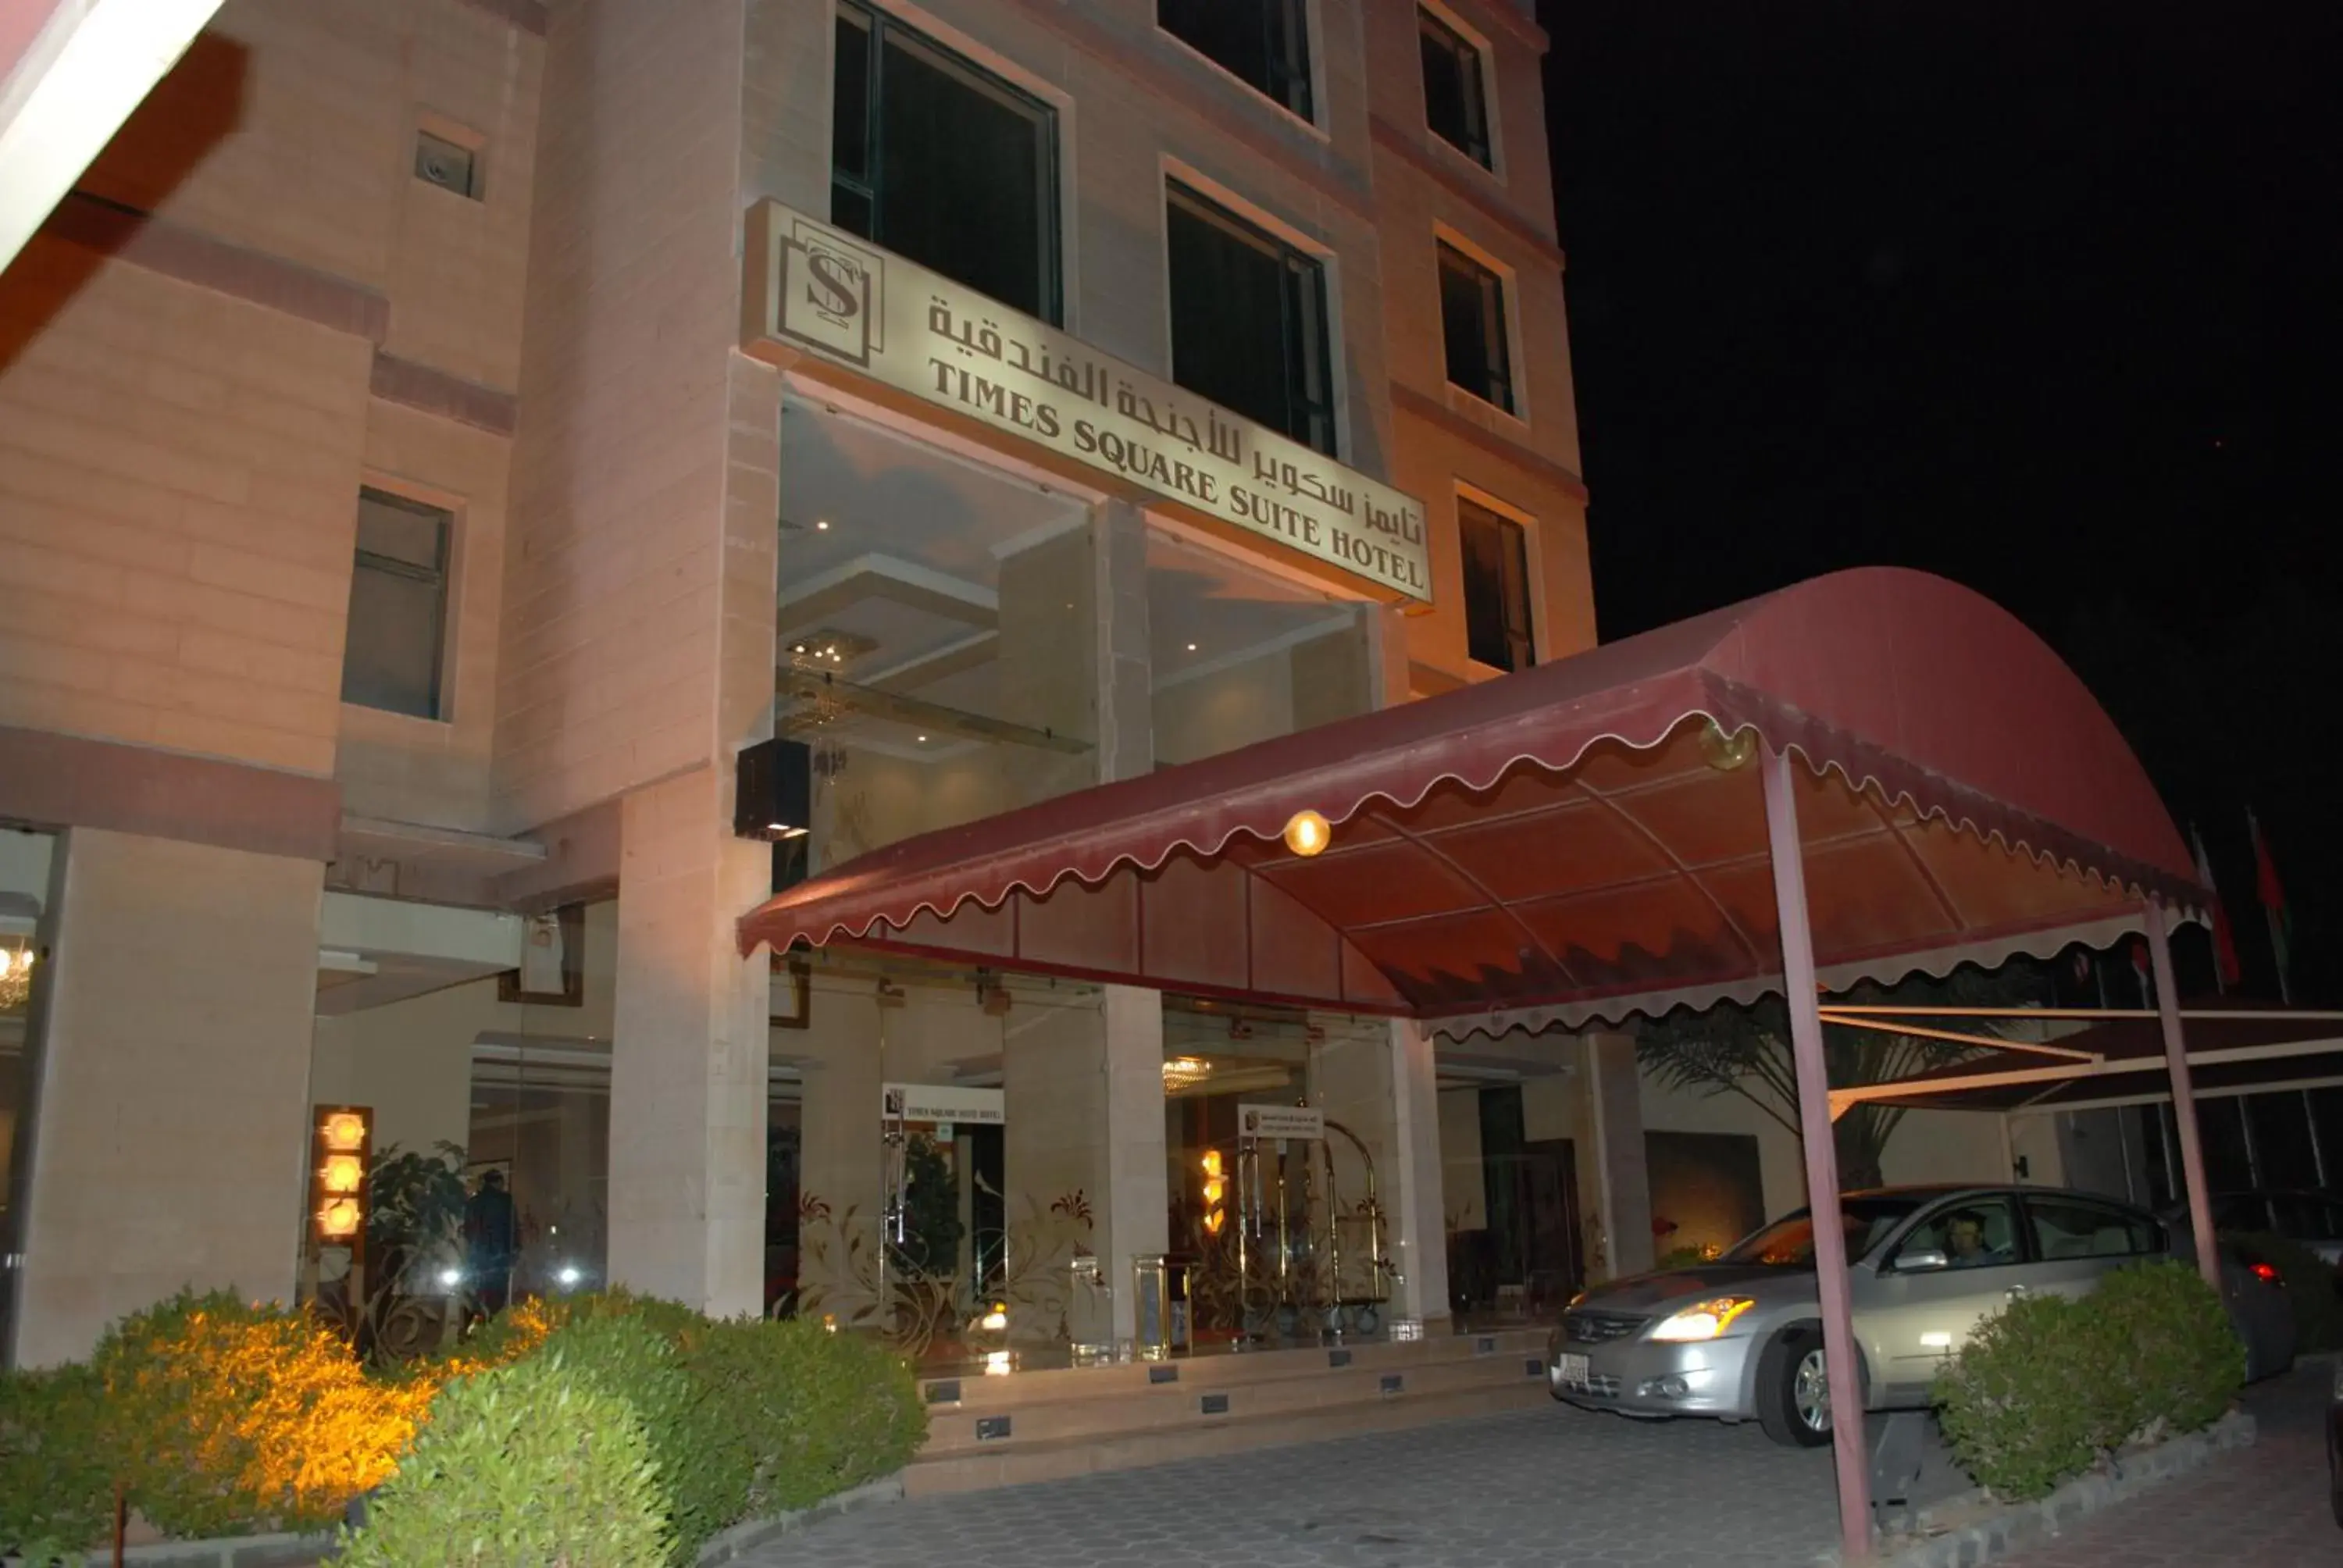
[1566, 838]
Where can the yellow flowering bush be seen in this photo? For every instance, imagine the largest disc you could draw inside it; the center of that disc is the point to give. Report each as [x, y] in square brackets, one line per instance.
[230, 1416]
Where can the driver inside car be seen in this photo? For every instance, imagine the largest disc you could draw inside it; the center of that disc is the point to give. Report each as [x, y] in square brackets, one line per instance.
[1964, 1243]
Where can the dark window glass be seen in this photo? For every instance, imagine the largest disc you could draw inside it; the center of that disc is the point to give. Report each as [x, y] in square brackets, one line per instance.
[2239, 1212]
[2221, 1124]
[1249, 321]
[398, 607]
[1497, 627]
[2064, 1228]
[444, 163]
[2280, 1125]
[2326, 1126]
[1473, 325]
[2302, 1217]
[938, 160]
[2155, 1125]
[1789, 1242]
[1453, 102]
[1264, 44]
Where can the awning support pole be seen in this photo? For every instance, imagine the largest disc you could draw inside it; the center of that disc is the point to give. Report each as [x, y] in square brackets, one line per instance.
[1822, 1157]
[2184, 1096]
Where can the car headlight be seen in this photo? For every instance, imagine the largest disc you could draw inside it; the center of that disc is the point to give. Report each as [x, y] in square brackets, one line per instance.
[1703, 1319]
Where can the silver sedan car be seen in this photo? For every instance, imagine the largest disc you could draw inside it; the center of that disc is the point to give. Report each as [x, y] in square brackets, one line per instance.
[1740, 1339]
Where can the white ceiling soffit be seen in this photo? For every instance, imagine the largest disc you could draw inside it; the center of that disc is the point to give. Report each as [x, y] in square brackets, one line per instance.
[71, 73]
[375, 951]
[380, 839]
[376, 928]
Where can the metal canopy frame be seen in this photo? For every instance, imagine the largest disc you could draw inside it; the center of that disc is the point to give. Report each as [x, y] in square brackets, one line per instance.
[1582, 841]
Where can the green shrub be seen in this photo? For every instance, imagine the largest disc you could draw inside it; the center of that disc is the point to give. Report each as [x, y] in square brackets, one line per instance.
[2020, 1403]
[819, 1412]
[774, 1417]
[56, 1483]
[223, 1416]
[531, 1465]
[705, 1469]
[2310, 1289]
[2041, 1391]
[2181, 1363]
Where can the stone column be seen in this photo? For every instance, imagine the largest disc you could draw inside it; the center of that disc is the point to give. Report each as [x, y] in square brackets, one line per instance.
[1414, 1199]
[175, 1050]
[841, 1190]
[1134, 1208]
[1085, 1093]
[691, 1017]
[1614, 1111]
[687, 1077]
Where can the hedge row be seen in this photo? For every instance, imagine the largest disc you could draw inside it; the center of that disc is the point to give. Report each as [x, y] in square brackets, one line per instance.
[2041, 1391]
[216, 1417]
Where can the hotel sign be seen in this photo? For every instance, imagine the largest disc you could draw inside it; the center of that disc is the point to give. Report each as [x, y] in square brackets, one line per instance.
[943, 1102]
[823, 292]
[1280, 1121]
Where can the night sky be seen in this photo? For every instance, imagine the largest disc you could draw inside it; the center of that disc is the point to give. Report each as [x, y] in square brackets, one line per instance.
[2040, 297]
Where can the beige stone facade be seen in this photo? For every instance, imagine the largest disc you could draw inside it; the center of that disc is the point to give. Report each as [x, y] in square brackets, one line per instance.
[256, 307]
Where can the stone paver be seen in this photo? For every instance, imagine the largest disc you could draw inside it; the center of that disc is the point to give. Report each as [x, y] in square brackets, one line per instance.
[1559, 1488]
[1555, 1487]
[2266, 1506]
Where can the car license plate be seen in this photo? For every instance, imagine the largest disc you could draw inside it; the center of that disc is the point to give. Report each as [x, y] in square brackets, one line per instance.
[1570, 1369]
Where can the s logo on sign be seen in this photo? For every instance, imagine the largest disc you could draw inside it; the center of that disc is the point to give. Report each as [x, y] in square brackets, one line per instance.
[833, 287]
[831, 295]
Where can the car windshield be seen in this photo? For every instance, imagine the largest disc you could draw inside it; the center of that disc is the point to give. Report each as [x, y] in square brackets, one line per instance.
[1789, 1242]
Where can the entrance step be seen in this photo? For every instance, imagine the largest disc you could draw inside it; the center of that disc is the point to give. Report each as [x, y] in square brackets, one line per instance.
[987, 1432]
[1067, 1457]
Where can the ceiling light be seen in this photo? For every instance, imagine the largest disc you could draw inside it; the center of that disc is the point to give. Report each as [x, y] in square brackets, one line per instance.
[1307, 833]
[1184, 1072]
[1191, 648]
[923, 741]
[822, 525]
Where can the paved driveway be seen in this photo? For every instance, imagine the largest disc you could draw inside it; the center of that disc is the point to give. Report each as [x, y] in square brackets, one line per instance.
[1555, 1487]
[2265, 1505]
[1559, 1488]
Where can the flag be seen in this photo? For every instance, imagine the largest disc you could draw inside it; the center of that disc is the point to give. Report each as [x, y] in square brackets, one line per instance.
[2273, 898]
[2225, 942]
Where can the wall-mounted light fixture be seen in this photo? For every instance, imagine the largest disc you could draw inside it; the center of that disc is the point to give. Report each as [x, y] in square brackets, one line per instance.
[341, 1142]
[1308, 833]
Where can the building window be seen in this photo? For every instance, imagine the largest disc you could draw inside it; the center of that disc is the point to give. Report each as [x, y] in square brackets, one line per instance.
[1453, 103]
[1472, 326]
[1264, 44]
[398, 607]
[1497, 630]
[942, 162]
[448, 164]
[1249, 320]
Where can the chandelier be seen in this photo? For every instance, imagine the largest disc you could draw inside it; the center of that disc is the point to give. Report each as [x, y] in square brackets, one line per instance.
[1184, 1072]
[16, 978]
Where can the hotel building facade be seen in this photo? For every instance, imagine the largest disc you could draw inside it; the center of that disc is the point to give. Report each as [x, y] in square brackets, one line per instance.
[437, 438]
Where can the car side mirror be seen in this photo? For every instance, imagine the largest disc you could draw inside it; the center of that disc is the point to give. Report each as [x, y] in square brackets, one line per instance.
[1920, 1261]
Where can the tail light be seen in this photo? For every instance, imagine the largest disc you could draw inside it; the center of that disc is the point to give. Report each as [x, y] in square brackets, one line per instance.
[2266, 1273]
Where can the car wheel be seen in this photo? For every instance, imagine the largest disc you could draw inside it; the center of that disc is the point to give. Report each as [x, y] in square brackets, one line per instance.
[1793, 1390]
